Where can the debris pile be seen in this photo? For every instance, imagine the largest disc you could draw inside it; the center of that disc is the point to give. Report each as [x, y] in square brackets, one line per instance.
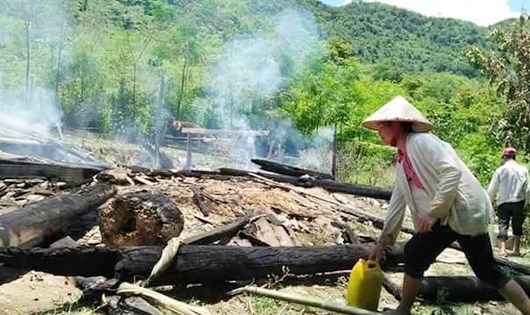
[229, 227]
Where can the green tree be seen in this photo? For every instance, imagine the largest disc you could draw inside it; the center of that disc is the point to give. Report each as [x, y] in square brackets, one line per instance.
[508, 69]
[322, 95]
[34, 33]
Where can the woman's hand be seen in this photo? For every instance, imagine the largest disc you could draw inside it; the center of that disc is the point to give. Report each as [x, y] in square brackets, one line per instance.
[377, 251]
[425, 223]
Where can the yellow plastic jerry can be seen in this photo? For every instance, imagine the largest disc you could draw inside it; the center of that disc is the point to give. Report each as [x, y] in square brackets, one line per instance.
[364, 286]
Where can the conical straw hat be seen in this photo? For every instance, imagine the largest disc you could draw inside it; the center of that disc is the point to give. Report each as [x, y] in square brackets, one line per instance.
[398, 109]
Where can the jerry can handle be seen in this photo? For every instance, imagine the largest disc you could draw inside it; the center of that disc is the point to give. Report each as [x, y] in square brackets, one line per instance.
[371, 264]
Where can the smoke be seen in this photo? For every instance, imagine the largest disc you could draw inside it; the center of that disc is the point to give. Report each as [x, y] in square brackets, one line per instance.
[31, 36]
[318, 153]
[25, 100]
[39, 115]
[256, 66]
[290, 146]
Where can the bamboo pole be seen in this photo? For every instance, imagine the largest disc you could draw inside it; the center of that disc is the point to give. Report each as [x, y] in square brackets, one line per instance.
[329, 306]
[173, 305]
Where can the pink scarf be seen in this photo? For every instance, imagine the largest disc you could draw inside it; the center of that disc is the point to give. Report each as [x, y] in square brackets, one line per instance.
[403, 158]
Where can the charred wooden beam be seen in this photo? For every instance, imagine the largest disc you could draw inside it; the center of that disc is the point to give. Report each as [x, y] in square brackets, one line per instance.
[464, 289]
[227, 173]
[376, 221]
[31, 225]
[225, 132]
[225, 231]
[392, 288]
[8, 274]
[330, 185]
[193, 264]
[76, 174]
[514, 266]
[197, 197]
[284, 169]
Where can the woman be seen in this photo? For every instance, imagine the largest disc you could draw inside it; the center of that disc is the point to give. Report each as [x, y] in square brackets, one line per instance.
[447, 204]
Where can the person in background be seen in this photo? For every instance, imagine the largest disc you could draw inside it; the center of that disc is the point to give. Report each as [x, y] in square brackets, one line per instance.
[509, 187]
[446, 202]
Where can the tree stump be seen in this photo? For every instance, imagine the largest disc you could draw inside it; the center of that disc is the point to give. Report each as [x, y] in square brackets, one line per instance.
[140, 218]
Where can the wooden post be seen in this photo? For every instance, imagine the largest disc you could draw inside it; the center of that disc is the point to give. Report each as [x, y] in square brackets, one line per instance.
[334, 153]
[159, 121]
[188, 151]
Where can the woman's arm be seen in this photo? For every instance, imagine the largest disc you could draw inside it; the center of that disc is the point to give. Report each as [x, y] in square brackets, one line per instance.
[394, 218]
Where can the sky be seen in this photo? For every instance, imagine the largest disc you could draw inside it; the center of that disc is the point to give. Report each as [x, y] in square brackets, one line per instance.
[481, 12]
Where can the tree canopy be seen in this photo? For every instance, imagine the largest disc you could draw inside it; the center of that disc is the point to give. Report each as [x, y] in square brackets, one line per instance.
[507, 69]
[293, 67]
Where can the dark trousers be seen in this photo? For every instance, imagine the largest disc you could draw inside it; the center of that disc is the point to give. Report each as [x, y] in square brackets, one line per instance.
[510, 211]
[423, 248]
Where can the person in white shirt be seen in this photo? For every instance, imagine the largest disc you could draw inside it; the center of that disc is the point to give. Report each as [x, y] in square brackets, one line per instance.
[447, 204]
[509, 187]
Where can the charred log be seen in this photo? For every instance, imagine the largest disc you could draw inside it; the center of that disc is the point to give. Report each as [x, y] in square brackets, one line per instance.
[31, 225]
[513, 266]
[193, 264]
[198, 198]
[222, 232]
[53, 171]
[392, 288]
[283, 169]
[140, 218]
[330, 185]
[464, 289]
[376, 221]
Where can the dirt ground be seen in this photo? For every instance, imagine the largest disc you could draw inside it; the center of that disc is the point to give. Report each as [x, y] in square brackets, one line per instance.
[41, 293]
[36, 291]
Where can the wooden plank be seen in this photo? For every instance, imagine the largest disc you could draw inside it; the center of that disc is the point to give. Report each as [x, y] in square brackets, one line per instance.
[265, 232]
[283, 237]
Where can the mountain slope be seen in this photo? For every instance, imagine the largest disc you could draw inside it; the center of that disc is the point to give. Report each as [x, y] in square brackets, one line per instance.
[399, 39]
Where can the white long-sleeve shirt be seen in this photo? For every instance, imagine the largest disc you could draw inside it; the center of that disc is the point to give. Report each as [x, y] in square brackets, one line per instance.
[450, 191]
[509, 183]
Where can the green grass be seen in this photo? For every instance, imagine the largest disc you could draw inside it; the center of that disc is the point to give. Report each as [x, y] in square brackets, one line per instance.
[365, 164]
[445, 310]
[71, 310]
[264, 305]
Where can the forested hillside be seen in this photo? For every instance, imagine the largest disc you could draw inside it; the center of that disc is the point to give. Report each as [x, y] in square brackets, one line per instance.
[294, 67]
[400, 41]
[396, 40]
